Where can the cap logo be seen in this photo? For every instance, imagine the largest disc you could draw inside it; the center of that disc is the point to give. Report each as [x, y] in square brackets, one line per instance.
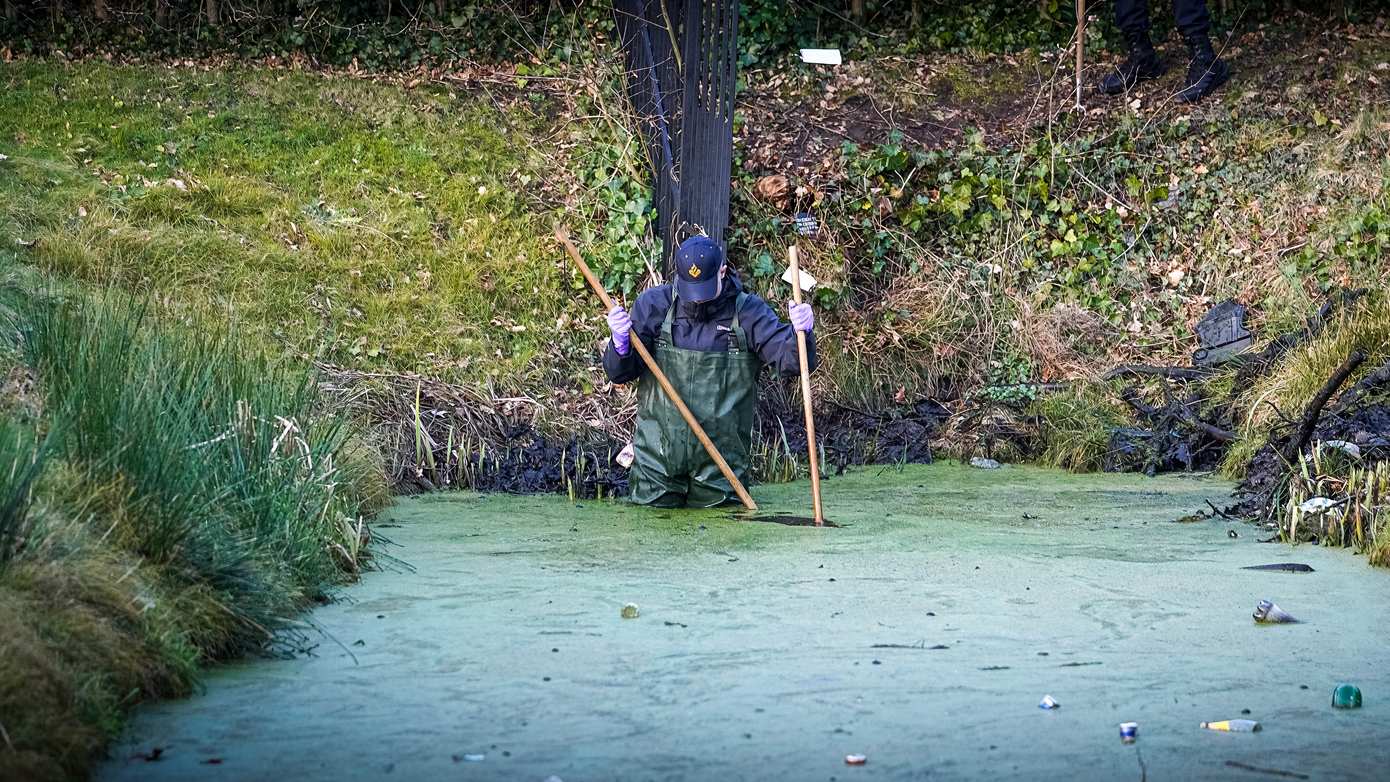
[693, 271]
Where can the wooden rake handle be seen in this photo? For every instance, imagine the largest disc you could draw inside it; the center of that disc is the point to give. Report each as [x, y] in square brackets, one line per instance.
[563, 236]
[794, 260]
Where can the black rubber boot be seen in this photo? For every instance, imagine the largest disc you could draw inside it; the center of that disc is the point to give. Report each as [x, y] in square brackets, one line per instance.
[1143, 64]
[1205, 73]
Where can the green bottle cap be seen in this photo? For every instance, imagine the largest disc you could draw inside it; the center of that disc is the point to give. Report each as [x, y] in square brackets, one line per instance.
[1346, 696]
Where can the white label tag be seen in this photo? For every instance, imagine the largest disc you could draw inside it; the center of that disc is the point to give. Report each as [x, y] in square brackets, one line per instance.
[807, 281]
[821, 56]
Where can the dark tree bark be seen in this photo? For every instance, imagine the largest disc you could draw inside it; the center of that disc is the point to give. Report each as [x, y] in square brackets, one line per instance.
[11, 10]
[212, 13]
[100, 11]
[161, 12]
[856, 10]
[1310, 415]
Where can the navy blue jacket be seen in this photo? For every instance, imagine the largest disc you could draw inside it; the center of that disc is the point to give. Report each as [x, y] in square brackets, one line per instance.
[705, 327]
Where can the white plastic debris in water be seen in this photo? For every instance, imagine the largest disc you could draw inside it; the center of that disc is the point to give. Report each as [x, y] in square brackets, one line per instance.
[821, 56]
[1318, 505]
[984, 464]
[1048, 703]
[1351, 449]
[807, 281]
[474, 757]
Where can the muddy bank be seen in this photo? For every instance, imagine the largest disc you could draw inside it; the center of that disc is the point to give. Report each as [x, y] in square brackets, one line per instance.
[922, 634]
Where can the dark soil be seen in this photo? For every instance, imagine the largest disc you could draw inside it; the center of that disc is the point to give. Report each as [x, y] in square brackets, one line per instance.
[1368, 426]
[527, 462]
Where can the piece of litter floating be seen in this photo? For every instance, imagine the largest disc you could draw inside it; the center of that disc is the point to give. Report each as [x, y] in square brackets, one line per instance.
[856, 760]
[1317, 505]
[630, 611]
[1049, 703]
[1351, 449]
[807, 281]
[474, 757]
[1233, 726]
[1129, 731]
[1267, 612]
[553, 778]
[821, 56]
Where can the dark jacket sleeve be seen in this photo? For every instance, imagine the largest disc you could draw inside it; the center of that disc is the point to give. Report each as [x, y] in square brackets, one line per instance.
[648, 313]
[773, 339]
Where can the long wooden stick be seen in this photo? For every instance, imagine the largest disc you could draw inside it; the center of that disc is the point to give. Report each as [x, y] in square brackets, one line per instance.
[563, 236]
[1080, 46]
[793, 258]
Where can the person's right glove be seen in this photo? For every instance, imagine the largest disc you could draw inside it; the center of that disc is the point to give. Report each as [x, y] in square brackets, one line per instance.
[620, 324]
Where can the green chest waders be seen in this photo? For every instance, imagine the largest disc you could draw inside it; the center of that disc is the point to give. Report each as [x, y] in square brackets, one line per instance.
[670, 467]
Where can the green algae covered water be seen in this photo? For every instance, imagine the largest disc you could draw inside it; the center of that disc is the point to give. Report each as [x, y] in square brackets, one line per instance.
[921, 634]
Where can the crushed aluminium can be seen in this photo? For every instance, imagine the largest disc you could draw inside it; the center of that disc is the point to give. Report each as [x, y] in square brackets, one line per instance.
[1129, 731]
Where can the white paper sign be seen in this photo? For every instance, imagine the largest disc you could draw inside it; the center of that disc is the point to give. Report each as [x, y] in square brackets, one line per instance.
[807, 281]
[821, 56]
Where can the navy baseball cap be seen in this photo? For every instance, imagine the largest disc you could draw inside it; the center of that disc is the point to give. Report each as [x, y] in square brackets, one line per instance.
[697, 269]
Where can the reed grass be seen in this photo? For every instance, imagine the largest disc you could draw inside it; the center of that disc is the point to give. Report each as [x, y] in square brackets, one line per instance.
[175, 500]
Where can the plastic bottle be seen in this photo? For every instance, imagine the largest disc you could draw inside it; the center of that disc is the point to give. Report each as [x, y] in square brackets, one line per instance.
[1233, 726]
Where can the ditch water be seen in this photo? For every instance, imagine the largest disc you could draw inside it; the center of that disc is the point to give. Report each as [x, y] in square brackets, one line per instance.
[922, 634]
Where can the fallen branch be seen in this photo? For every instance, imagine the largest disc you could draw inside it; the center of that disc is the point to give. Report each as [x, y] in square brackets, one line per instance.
[1179, 410]
[1314, 409]
[1146, 370]
[1366, 385]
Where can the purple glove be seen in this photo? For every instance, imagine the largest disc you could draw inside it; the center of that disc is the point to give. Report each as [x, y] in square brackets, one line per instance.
[621, 325]
[801, 317]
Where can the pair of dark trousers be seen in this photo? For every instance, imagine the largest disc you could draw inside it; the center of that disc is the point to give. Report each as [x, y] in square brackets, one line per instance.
[1132, 16]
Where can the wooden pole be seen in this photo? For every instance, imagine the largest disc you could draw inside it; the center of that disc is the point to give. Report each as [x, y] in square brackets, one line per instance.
[792, 257]
[1080, 47]
[563, 235]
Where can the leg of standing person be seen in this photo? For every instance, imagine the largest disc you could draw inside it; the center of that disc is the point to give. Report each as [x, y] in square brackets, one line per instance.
[1205, 72]
[1132, 17]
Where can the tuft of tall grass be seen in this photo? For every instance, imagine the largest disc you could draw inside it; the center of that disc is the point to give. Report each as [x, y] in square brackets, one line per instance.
[21, 462]
[232, 474]
[1074, 426]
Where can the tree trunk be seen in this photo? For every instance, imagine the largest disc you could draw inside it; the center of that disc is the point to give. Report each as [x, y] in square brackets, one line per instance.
[212, 13]
[856, 10]
[438, 9]
[100, 11]
[11, 10]
[161, 12]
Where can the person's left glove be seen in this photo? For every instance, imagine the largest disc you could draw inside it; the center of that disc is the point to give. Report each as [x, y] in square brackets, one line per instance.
[801, 317]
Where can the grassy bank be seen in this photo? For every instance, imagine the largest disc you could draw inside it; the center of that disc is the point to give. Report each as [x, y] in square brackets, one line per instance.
[167, 498]
[978, 239]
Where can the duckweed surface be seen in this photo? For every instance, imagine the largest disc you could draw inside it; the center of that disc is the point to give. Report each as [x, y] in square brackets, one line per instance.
[923, 634]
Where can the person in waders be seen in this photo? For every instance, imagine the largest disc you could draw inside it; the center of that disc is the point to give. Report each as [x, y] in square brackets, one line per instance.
[711, 338]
